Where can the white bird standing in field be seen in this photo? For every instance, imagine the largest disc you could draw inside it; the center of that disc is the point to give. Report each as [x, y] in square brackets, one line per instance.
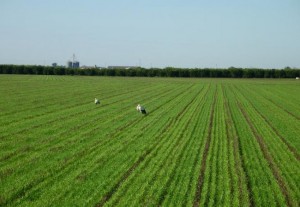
[141, 109]
[97, 101]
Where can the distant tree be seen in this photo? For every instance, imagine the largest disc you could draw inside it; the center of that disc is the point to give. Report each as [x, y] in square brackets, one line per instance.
[236, 72]
[183, 73]
[231, 72]
[38, 70]
[248, 73]
[57, 71]
[28, 69]
[69, 71]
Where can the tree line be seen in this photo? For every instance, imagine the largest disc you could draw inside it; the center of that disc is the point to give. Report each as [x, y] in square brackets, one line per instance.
[231, 72]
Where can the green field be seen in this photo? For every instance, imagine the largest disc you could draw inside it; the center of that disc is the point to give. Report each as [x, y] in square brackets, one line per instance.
[204, 142]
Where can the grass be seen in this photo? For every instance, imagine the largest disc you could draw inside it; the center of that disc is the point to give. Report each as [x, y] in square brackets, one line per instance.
[204, 142]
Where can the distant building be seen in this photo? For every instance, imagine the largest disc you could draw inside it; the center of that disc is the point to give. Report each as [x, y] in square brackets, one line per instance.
[54, 64]
[71, 64]
[76, 64]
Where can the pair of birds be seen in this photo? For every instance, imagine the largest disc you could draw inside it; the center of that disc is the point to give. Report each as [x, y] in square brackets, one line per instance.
[138, 108]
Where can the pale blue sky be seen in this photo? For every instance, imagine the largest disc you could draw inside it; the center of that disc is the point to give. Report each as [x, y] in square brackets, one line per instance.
[158, 33]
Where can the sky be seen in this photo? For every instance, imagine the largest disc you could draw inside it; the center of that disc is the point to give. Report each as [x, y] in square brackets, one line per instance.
[152, 33]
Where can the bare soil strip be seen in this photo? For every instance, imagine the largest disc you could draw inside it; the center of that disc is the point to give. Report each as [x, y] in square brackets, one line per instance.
[268, 157]
[204, 156]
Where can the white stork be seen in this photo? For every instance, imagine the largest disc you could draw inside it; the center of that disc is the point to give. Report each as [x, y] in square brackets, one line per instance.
[141, 109]
[97, 101]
